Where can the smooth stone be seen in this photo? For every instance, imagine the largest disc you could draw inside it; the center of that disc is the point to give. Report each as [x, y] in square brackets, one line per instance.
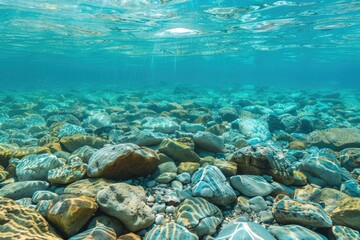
[258, 204]
[96, 233]
[189, 167]
[199, 216]
[70, 129]
[159, 207]
[76, 141]
[253, 128]
[294, 232]
[178, 151]
[300, 178]
[84, 153]
[129, 236]
[165, 167]
[244, 231]
[42, 207]
[70, 213]
[67, 174]
[160, 124]
[350, 158]
[122, 161]
[288, 211]
[43, 195]
[211, 184]
[3, 174]
[19, 222]
[209, 141]
[36, 167]
[192, 127]
[159, 219]
[170, 209]
[184, 177]
[88, 187]
[266, 217]
[107, 221]
[98, 119]
[344, 233]
[176, 185]
[26, 202]
[351, 188]
[18, 190]
[126, 203]
[170, 231]
[251, 185]
[347, 213]
[166, 177]
[227, 168]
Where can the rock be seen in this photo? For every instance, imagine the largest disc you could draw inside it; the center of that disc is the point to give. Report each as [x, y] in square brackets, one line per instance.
[88, 187]
[294, 232]
[129, 236]
[211, 184]
[192, 127]
[244, 231]
[6, 151]
[209, 141]
[36, 167]
[96, 233]
[297, 145]
[142, 138]
[165, 167]
[344, 233]
[70, 213]
[251, 185]
[218, 129]
[347, 213]
[253, 128]
[107, 221]
[300, 178]
[166, 177]
[25, 151]
[189, 167]
[19, 222]
[169, 231]
[160, 124]
[266, 217]
[18, 190]
[70, 129]
[67, 174]
[199, 216]
[178, 151]
[42, 207]
[3, 174]
[351, 188]
[122, 161]
[99, 119]
[264, 159]
[227, 168]
[319, 166]
[43, 195]
[257, 204]
[73, 142]
[126, 203]
[288, 211]
[184, 178]
[84, 153]
[335, 138]
[350, 158]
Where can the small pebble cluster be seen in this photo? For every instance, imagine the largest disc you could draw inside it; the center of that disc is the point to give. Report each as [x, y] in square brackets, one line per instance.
[180, 163]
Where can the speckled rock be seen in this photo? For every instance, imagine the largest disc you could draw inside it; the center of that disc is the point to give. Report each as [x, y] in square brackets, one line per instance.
[24, 189]
[344, 233]
[251, 185]
[67, 174]
[209, 141]
[19, 222]
[211, 184]
[122, 161]
[347, 213]
[70, 213]
[126, 203]
[71, 143]
[36, 167]
[70, 129]
[96, 233]
[178, 151]
[350, 158]
[170, 231]
[199, 216]
[319, 166]
[335, 138]
[88, 187]
[244, 231]
[294, 232]
[264, 159]
[288, 211]
[189, 167]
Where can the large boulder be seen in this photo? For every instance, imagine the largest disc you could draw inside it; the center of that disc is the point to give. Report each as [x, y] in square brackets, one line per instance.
[122, 161]
[126, 203]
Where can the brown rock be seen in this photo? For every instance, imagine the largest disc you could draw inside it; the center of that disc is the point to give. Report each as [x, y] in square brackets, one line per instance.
[178, 151]
[347, 213]
[88, 187]
[73, 142]
[129, 236]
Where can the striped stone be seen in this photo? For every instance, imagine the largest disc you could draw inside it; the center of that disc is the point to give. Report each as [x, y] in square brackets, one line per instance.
[67, 174]
[170, 231]
[96, 233]
[199, 216]
[244, 231]
[293, 232]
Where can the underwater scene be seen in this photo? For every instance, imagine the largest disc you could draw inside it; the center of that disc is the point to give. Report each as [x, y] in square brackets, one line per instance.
[179, 120]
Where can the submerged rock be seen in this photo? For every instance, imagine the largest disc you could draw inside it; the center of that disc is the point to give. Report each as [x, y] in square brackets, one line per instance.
[294, 232]
[169, 231]
[244, 231]
[178, 151]
[18, 190]
[251, 185]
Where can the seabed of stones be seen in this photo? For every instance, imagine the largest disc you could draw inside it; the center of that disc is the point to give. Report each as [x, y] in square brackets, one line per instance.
[180, 163]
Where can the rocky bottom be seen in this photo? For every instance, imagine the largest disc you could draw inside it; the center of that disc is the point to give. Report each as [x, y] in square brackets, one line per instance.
[180, 162]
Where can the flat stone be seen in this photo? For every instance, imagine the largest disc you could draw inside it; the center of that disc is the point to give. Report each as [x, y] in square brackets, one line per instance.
[170, 231]
[18, 190]
[126, 203]
[294, 232]
[288, 211]
[70, 213]
[178, 151]
[209, 141]
[251, 185]
[27, 225]
[199, 216]
[122, 161]
[211, 184]
[244, 231]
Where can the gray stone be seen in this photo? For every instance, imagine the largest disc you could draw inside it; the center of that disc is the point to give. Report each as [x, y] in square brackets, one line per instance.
[24, 189]
[294, 232]
[170, 231]
[209, 141]
[253, 128]
[160, 124]
[70, 129]
[251, 185]
[257, 204]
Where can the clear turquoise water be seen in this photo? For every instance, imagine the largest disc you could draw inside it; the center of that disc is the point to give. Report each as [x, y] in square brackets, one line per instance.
[143, 42]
